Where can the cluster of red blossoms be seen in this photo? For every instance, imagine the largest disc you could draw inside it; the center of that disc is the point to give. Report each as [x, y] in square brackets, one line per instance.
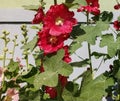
[57, 23]
[91, 7]
[116, 25]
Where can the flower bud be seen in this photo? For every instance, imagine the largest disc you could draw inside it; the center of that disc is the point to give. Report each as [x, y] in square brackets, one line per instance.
[16, 35]
[11, 52]
[5, 49]
[2, 36]
[16, 44]
[7, 39]
[1, 57]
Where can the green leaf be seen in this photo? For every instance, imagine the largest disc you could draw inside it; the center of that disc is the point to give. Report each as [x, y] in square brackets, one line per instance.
[98, 55]
[91, 32]
[77, 31]
[31, 7]
[53, 66]
[95, 89]
[80, 63]
[31, 45]
[29, 75]
[112, 46]
[116, 67]
[48, 78]
[56, 64]
[13, 66]
[75, 3]
[29, 95]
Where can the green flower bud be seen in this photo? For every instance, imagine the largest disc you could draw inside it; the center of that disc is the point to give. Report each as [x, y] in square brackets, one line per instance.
[1, 57]
[11, 52]
[7, 39]
[5, 49]
[16, 35]
[2, 36]
[16, 44]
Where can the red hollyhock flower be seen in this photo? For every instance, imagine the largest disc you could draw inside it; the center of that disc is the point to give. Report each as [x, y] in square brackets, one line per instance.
[38, 17]
[51, 91]
[63, 80]
[93, 3]
[59, 19]
[48, 42]
[66, 57]
[116, 25]
[117, 6]
[91, 7]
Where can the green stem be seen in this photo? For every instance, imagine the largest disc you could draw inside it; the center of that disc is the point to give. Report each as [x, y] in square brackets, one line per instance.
[89, 52]
[13, 50]
[27, 63]
[89, 49]
[59, 92]
[77, 78]
[55, 2]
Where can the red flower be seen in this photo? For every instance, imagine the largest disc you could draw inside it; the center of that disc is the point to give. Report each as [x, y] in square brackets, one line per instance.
[116, 25]
[38, 17]
[49, 43]
[51, 91]
[117, 6]
[93, 3]
[63, 80]
[66, 57]
[91, 7]
[41, 69]
[59, 19]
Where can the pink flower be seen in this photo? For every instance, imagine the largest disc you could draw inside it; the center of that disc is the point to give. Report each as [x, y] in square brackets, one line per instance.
[116, 25]
[49, 43]
[12, 94]
[66, 57]
[38, 17]
[59, 20]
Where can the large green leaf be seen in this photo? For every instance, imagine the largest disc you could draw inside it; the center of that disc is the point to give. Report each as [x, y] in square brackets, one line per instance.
[48, 78]
[13, 66]
[53, 66]
[91, 32]
[56, 64]
[112, 45]
[95, 89]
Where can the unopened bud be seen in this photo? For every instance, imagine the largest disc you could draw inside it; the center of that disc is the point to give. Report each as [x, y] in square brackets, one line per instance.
[8, 39]
[16, 44]
[2, 36]
[1, 57]
[16, 35]
[5, 49]
[22, 41]
[11, 52]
